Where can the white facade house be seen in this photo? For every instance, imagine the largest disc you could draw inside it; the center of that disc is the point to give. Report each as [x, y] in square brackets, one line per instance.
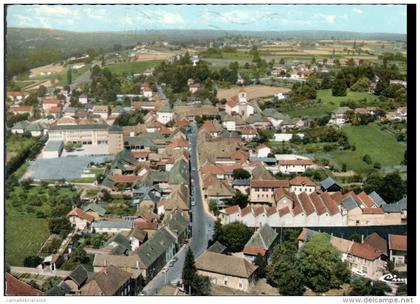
[112, 227]
[279, 137]
[239, 104]
[229, 125]
[165, 114]
[263, 151]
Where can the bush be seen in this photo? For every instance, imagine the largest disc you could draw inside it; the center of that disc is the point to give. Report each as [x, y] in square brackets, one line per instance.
[367, 159]
[32, 261]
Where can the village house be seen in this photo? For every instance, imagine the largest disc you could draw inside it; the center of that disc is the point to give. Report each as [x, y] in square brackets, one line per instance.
[147, 90]
[239, 104]
[111, 281]
[262, 191]
[397, 245]
[101, 111]
[16, 96]
[165, 114]
[340, 116]
[287, 166]
[301, 184]
[21, 110]
[112, 227]
[229, 271]
[79, 219]
[193, 88]
[262, 243]
[365, 259]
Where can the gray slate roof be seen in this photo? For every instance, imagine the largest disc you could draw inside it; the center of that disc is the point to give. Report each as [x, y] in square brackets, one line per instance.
[349, 203]
[242, 182]
[328, 182]
[155, 246]
[79, 275]
[54, 145]
[377, 198]
[113, 224]
[263, 237]
[397, 206]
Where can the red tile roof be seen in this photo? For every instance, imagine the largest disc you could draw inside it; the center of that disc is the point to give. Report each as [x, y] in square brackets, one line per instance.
[246, 210]
[232, 209]
[239, 155]
[126, 179]
[248, 131]
[209, 126]
[21, 109]
[284, 211]
[54, 110]
[302, 234]
[212, 169]
[337, 197]
[280, 192]
[397, 242]
[300, 162]
[270, 183]
[319, 206]
[372, 210]
[306, 203]
[365, 251]
[270, 210]
[140, 154]
[297, 207]
[329, 203]
[178, 143]
[141, 223]
[233, 101]
[51, 101]
[15, 94]
[258, 210]
[254, 250]
[82, 214]
[367, 201]
[183, 122]
[15, 287]
[302, 180]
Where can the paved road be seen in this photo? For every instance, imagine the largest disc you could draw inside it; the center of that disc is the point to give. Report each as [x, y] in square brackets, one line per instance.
[44, 272]
[85, 77]
[202, 228]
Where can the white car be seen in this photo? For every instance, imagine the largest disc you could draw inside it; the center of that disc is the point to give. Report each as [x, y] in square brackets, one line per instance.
[192, 203]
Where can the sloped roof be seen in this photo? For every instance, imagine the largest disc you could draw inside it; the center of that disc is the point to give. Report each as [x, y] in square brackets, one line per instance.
[263, 238]
[217, 247]
[79, 275]
[377, 199]
[328, 182]
[397, 242]
[261, 173]
[365, 251]
[98, 209]
[220, 188]
[154, 247]
[225, 264]
[376, 241]
[15, 287]
[81, 214]
[106, 282]
[302, 180]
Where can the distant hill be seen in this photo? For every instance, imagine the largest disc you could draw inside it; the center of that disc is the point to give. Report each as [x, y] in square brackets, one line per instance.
[31, 47]
[29, 37]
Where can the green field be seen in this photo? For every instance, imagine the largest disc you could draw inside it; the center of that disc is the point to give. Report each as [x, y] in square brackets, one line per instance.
[132, 67]
[329, 103]
[380, 145]
[24, 237]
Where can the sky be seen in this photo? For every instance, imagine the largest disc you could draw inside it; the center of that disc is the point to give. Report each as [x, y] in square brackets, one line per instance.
[92, 18]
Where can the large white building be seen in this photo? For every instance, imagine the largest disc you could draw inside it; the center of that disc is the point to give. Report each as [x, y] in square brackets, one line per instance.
[239, 104]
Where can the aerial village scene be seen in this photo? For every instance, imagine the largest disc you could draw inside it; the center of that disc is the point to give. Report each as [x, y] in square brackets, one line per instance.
[241, 151]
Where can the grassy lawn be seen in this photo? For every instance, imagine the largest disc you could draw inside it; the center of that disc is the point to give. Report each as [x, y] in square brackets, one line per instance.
[24, 237]
[329, 103]
[380, 145]
[132, 67]
[16, 143]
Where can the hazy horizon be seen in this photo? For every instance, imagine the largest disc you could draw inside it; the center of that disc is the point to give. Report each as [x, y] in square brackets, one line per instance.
[369, 19]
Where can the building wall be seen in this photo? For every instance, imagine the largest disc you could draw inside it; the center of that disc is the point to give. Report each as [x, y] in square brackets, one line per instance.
[227, 281]
[298, 189]
[262, 195]
[373, 269]
[78, 223]
[115, 143]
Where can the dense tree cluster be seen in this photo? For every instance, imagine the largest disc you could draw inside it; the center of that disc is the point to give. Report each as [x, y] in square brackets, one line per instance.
[317, 266]
[234, 236]
[194, 284]
[390, 187]
[104, 84]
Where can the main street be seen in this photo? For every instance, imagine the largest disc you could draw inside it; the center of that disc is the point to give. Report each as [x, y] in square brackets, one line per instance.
[201, 227]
